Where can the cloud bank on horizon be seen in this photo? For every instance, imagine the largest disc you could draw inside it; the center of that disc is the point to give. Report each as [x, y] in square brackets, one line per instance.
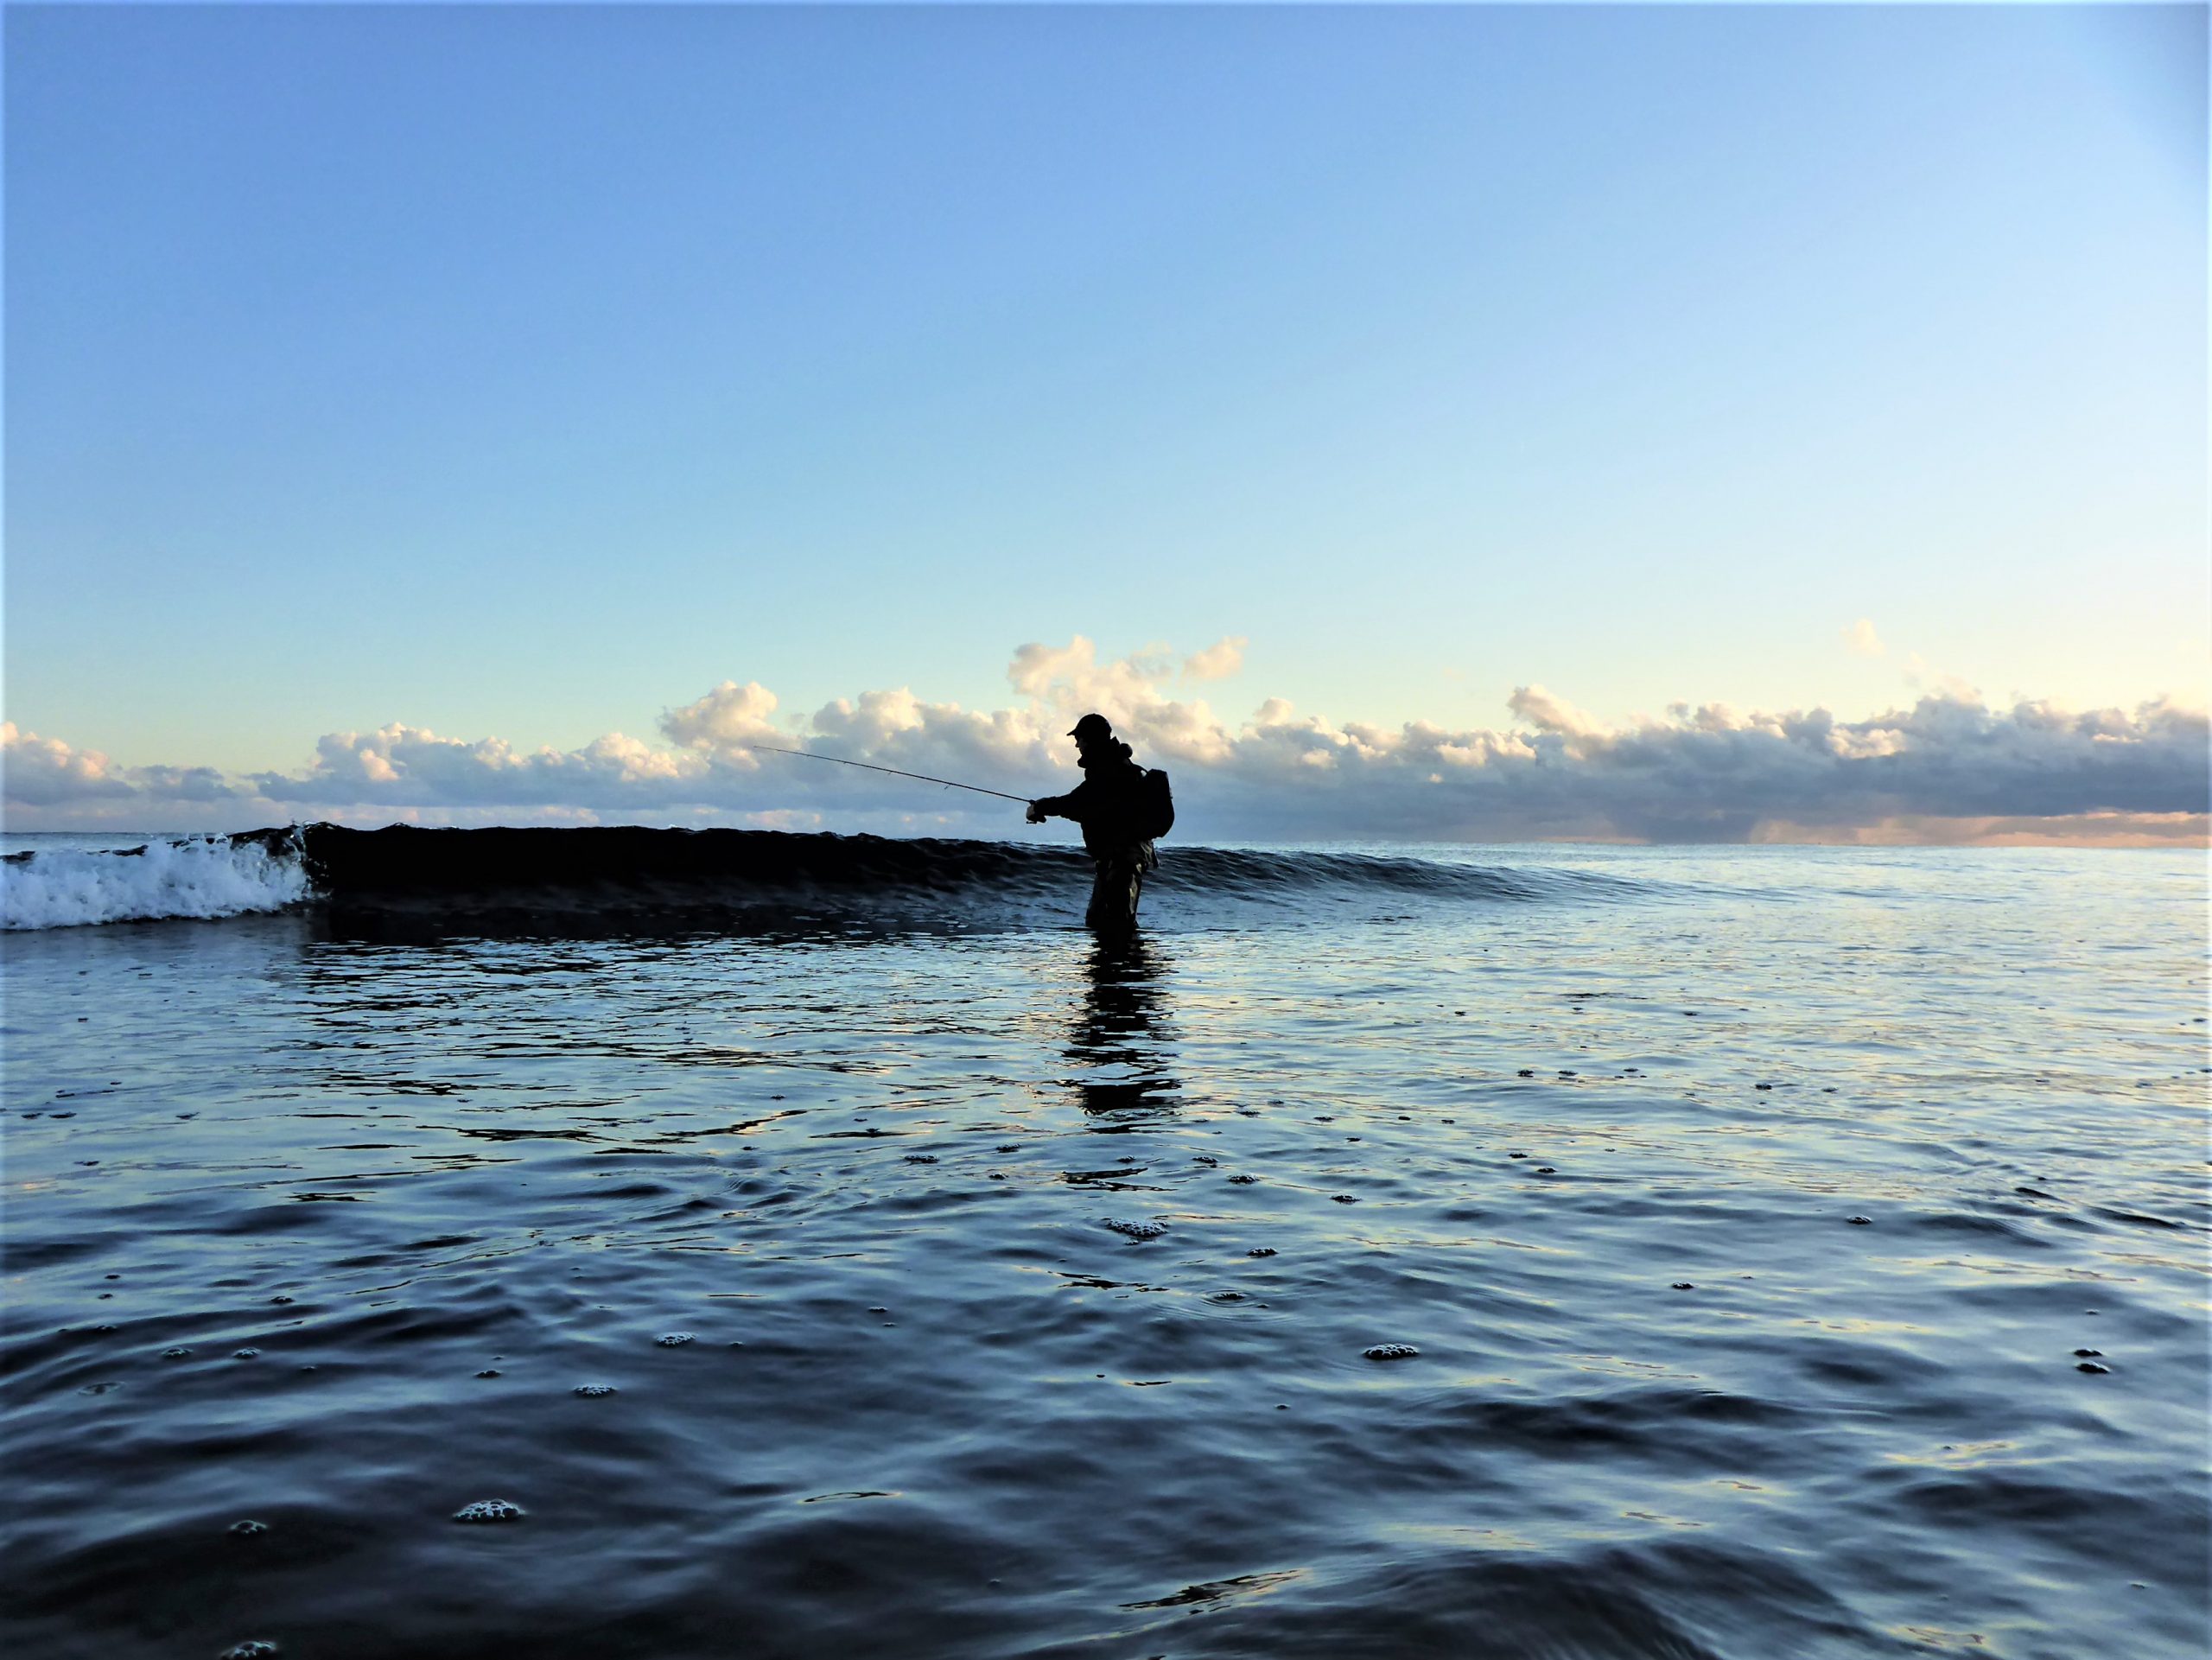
[1951, 769]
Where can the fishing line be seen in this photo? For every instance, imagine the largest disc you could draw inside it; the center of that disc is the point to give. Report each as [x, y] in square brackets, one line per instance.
[807, 754]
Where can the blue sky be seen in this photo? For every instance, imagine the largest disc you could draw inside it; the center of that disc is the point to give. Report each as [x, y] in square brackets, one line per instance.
[526, 372]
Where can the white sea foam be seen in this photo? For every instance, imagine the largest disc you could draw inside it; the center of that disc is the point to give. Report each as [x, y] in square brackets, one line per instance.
[190, 877]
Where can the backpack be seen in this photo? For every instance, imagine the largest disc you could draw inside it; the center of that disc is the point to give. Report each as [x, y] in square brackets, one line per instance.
[1155, 805]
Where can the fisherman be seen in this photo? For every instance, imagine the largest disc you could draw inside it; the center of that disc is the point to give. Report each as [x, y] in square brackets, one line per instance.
[1112, 806]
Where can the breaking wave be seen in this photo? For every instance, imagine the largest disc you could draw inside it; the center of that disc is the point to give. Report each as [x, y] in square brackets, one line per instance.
[187, 876]
[625, 877]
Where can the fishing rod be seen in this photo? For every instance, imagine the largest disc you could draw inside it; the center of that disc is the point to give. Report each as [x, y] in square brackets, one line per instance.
[807, 754]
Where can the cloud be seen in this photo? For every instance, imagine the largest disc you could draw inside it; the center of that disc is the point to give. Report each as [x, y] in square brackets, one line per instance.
[730, 714]
[1218, 661]
[47, 772]
[1921, 674]
[1863, 641]
[1948, 768]
[410, 766]
[1551, 715]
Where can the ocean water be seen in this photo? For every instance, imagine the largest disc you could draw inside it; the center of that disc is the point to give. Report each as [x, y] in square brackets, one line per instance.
[1537, 1251]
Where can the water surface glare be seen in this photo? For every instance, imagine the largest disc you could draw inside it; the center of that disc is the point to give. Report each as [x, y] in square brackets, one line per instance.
[1755, 1253]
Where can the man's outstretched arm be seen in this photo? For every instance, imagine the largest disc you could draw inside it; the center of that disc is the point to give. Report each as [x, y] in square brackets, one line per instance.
[1071, 806]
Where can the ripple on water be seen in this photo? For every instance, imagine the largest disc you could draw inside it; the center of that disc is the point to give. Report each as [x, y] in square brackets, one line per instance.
[1117, 1452]
[1669, 1600]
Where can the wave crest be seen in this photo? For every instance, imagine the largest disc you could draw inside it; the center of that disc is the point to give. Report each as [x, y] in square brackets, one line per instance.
[618, 878]
[189, 876]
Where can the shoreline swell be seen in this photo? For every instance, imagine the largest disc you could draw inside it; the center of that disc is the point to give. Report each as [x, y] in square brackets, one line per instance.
[616, 878]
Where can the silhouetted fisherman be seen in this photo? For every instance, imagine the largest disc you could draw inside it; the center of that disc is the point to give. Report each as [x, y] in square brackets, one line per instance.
[1119, 806]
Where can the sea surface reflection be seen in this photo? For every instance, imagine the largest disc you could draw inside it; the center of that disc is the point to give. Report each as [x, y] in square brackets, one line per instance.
[1123, 1043]
[1798, 1256]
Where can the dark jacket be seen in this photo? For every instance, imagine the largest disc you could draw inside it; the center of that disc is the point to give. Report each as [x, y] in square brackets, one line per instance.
[1107, 804]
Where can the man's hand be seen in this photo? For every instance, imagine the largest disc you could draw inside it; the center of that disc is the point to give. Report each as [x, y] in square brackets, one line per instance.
[1036, 814]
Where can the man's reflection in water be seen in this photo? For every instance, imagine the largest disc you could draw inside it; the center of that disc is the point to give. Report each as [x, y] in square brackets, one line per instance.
[1123, 1040]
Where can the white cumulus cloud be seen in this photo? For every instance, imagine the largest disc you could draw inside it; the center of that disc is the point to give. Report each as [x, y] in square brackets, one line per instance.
[1950, 767]
[1218, 661]
[49, 774]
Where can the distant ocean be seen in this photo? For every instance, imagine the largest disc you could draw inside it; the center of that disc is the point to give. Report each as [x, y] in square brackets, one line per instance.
[661, 1243]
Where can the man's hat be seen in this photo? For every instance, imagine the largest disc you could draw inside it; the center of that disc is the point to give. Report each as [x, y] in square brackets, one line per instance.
[1091, 726]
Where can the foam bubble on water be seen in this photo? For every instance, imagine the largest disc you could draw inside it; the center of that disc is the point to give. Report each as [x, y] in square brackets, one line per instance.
[252, 1648]
[489, 1510]
[1135, 1229]
[249, 1528]
[177, 1354]
[1392, 1351]
[593, 1391]
[190, 877]
[245, 1354]
[675, 1340]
